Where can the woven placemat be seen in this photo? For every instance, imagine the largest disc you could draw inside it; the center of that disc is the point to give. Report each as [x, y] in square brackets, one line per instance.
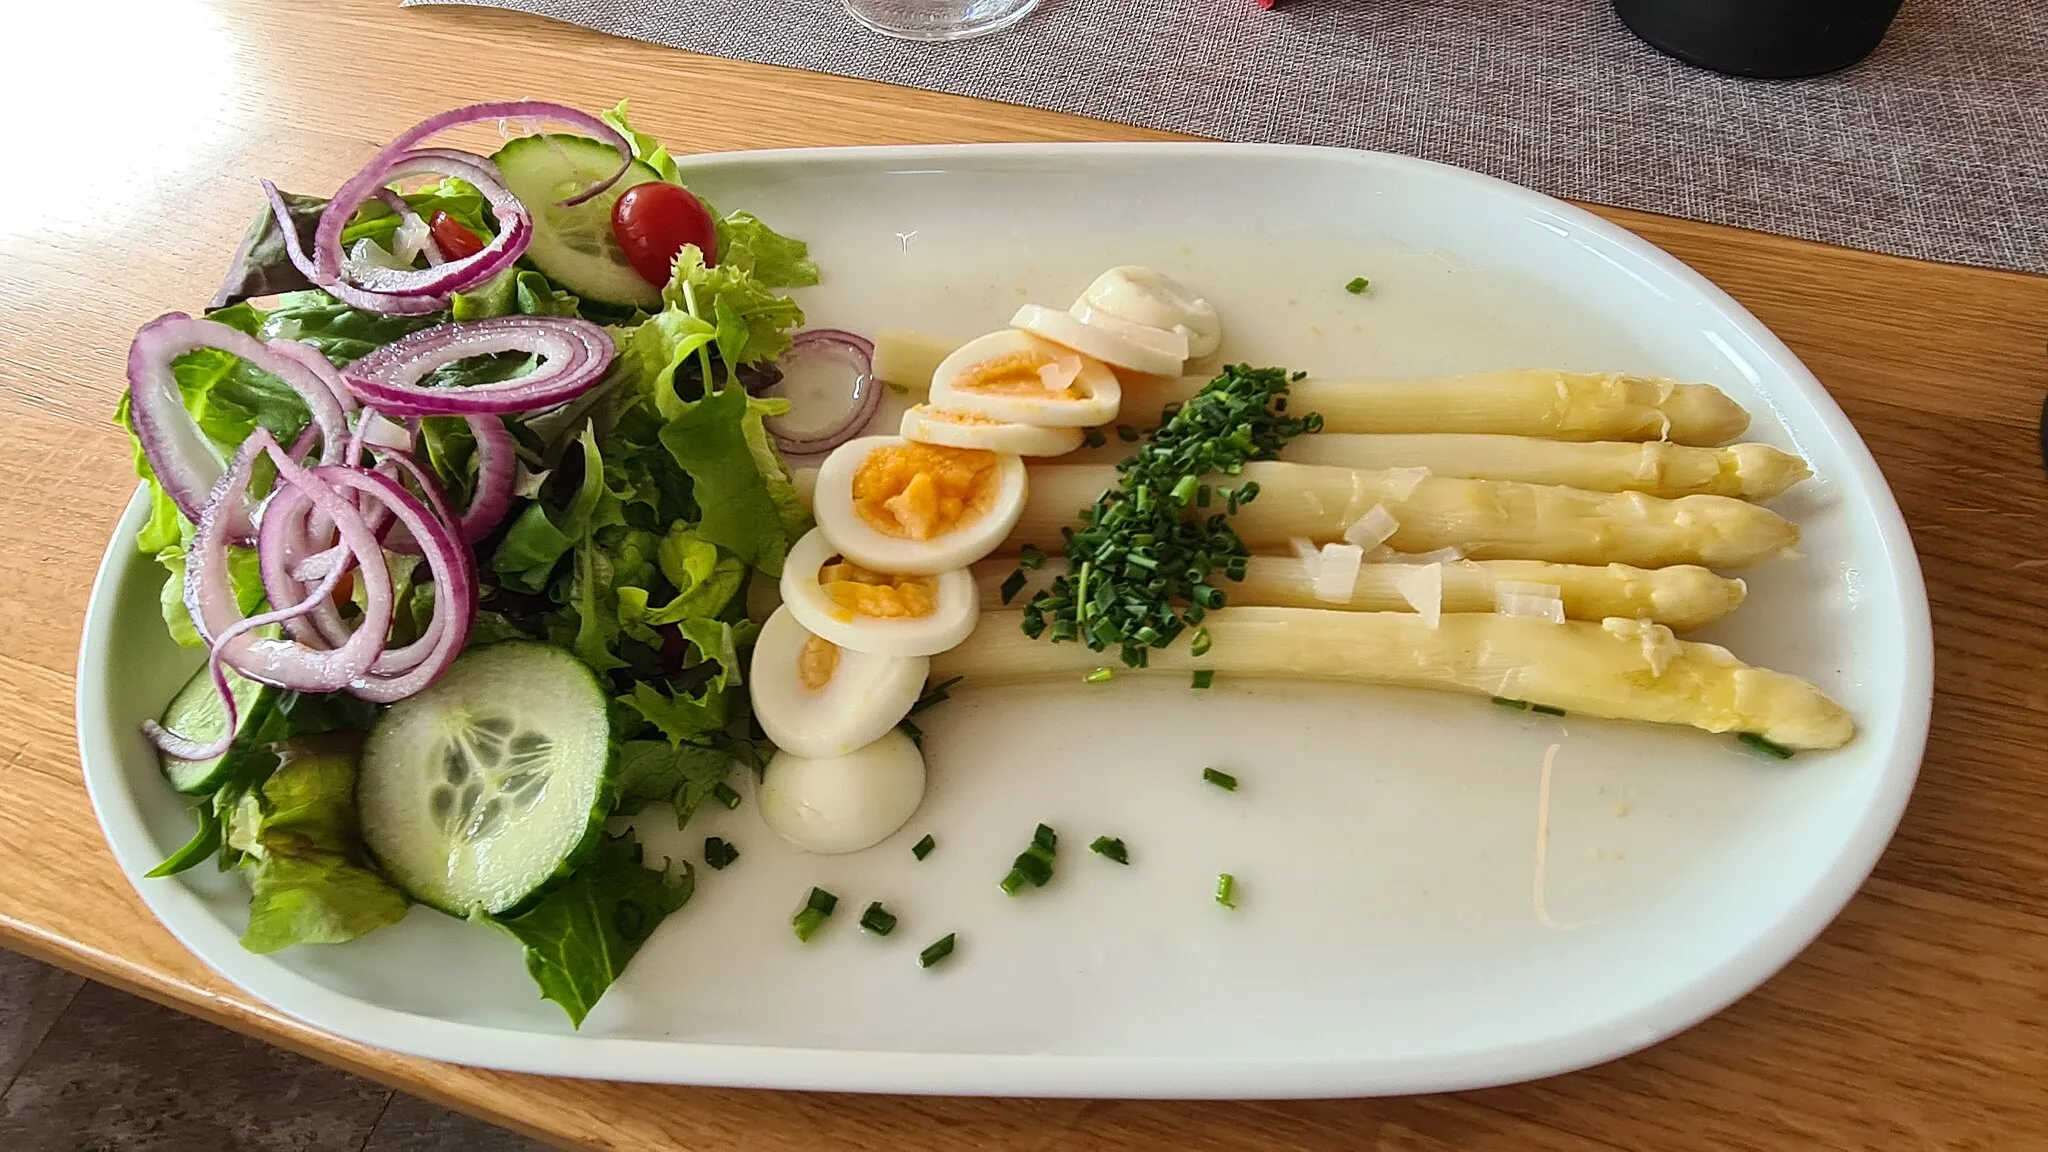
[1936, 147]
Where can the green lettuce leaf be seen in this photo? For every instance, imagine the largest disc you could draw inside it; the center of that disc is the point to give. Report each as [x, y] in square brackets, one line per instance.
[706, 579]
[682, 776]
[646, 149]
[309, 874]
[581, 936]
[522, 292]
[748, 503]
[763, 253]
[341, 333]
[458, 198]
[751, 320]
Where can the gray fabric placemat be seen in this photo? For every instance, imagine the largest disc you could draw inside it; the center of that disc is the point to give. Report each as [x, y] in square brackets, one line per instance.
[1936, 147]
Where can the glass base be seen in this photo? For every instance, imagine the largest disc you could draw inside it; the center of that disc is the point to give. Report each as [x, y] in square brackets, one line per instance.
[939, 19]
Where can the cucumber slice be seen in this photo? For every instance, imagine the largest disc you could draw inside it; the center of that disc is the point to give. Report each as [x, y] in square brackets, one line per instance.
[575, 246]
[480, 792]
[195, 712]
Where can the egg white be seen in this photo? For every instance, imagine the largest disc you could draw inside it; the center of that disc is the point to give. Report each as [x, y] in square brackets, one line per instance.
[867, 695]
[1100, 394]
[838, 804]
[870, 547]
[929, 425]
[1117, 342]
[1143, 296]
[959, 604]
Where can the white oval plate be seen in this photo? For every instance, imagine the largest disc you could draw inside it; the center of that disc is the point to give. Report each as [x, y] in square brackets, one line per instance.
[1399, 928]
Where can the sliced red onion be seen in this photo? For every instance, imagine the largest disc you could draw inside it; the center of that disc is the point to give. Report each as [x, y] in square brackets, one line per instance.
[574, 355]
[497, 465]
[515, 231]
[855, 408]
[319, 365]
[375, 174]
[210, 598]
[185, 462]
[400, 672]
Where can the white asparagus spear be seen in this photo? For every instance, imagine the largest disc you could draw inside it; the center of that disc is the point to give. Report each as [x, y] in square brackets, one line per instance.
[1747, 471]
[1681, 598]
[1485, 519]
[1519, 402]
[1618, 669]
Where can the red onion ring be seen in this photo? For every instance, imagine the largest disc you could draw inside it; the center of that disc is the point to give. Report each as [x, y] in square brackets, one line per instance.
[184, 461]
[574, 355]
[211, 599]
[865, 396]
[363, 185]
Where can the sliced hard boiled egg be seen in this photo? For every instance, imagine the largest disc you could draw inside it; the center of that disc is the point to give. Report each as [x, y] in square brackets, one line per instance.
[895, 505]
[865, 610]
[1153, 351]
[843, 803]
[1139, 295]
[817, 699]
[928, 425]
[1017, 377]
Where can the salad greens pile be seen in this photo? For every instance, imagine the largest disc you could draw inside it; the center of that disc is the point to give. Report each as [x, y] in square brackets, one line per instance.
[642, 511]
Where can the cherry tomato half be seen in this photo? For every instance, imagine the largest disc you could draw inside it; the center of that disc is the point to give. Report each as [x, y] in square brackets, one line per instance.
[654, 221]
[454, 240]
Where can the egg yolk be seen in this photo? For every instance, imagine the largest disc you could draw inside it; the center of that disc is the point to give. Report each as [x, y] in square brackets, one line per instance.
[878, 595]
[919, 491]
[1023, 374]
[816, 662]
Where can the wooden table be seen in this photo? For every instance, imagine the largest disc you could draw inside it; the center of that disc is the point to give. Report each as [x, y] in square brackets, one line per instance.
[1918, 1020]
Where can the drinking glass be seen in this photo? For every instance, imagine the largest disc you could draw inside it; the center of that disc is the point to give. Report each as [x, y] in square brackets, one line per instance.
[939, 19]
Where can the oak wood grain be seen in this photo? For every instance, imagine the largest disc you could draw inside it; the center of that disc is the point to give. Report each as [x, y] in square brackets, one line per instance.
[1915, 1021]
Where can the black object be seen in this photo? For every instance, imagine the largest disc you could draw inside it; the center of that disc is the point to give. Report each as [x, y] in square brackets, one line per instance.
[1772, 39]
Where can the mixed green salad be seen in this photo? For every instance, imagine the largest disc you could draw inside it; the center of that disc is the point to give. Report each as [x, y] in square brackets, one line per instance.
[564, 550]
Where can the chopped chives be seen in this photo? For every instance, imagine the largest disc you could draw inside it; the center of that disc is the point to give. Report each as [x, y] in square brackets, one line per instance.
[1223, 780]
[1546, 710]
[1771, 748]
[1127, 434]
[1111, 847]
[938, 950]
[1033, 866]
[878, 919]
[923, 848]
[1508, 702]
[1203, 679]
[718, 853]
[725, 795]
[1013, 585]
[1030, 557]
[1099, 676]
[811, 916]
[1198, 644]
[911, 730]
[1094, 438]
[1226, 890]
[1358, 286]
[1184, 489]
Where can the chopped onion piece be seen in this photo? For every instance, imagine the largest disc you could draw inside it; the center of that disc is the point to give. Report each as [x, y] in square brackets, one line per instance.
[1305, 551]
[1659, 645]
[1337, 572]
[1401, 482]
[1522, 598]
[1373, 529]
[1061, 373]
[1423, 588]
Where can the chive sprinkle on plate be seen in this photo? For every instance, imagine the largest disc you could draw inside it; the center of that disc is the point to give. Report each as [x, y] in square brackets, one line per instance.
[923, 848]
[811, 916]
[1033, 866]
[1226, 890]
[878, 919]
[718, 853]
[936, 951]
[1221, 779]
[1111, 847]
